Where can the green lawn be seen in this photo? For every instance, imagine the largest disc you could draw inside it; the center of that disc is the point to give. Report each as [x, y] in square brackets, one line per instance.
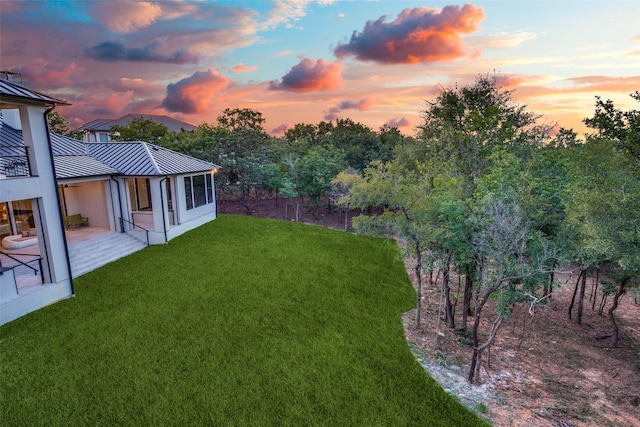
[243, 322]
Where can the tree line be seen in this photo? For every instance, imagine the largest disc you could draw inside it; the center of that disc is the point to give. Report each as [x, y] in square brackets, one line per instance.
[484, 191]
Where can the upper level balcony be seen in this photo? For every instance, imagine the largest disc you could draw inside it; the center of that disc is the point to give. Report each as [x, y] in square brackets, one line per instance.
[14, 161]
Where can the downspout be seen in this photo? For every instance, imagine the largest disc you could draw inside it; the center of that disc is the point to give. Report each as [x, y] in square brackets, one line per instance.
[119, 201]
[55, 186]
[164, 219]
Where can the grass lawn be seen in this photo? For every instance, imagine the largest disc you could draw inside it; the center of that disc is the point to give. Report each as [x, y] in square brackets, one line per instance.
[243, 322]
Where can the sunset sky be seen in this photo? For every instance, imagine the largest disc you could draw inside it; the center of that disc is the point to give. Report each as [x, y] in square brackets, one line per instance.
[301, 61]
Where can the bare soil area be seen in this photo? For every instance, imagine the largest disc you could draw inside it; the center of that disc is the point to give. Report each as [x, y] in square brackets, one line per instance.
[544, 370]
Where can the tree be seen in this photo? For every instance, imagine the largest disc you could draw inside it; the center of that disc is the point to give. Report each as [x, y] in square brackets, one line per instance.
[141, 129]
[359, 142]
[621, 127]
[514, 260]
[58, 124]
[315, 171]
[340, 188]
[463, 128]
[402, 197]
[604, 214]
[302, 131]
[242, 119]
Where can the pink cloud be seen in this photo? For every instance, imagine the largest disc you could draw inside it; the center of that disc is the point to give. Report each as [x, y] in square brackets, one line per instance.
[420, 34]
[125, 16]
[402, 122]
[310, 75]
[194, 94]
[508, 81]
[241, 68]
[279, 131]
[49, 76]
[361, 105]
[140, 86]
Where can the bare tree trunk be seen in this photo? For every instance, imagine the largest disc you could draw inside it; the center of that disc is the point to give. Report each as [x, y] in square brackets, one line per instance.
[448, 308]
[418, 271]
[474, 336]
[259, 205]
[583, 286]
[468, 285]
[603, 302]
[595, 291]
[549, 288]
[346, 218]
[575, 290]
[612, 309]
[487, 344]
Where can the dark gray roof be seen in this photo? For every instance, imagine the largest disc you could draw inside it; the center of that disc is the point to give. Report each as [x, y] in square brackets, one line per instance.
[144, 159]
[12, 151]
[10, 138]
[104, 125]
[80, 166]
[65, 146]
[97, 125]
[75, 159]
[130, 158]
[11, 93]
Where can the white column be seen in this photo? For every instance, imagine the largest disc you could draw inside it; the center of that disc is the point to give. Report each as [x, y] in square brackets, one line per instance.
[159, 203]
[46, 209]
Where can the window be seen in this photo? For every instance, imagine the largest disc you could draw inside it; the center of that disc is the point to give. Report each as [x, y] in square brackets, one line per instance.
[209, 188]
[198, 190]
[139, 194]
[103, 137]
[188, 194]
[169, 196]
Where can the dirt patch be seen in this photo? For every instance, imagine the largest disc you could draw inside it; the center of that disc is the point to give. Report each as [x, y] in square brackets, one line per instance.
[545, 370]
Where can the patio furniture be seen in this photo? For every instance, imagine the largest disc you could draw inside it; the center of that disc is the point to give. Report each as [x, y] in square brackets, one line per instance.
[76, 220]
[17, 241]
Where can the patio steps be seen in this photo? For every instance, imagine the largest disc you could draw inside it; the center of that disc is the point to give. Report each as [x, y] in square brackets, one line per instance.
[92, 254]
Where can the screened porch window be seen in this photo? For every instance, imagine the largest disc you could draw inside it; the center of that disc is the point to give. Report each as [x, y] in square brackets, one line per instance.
[198, 190]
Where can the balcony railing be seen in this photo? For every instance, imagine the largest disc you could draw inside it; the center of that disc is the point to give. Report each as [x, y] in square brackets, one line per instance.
[13, 161]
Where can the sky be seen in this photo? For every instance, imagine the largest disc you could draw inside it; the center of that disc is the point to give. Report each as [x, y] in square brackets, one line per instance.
[304, 61]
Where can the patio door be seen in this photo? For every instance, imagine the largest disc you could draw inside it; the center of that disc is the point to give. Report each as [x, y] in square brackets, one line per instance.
[5, 221]
[18, 214]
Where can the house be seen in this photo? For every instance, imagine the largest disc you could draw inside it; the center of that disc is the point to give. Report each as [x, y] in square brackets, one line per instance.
[99, 130]
[51, 184]
[29, 200]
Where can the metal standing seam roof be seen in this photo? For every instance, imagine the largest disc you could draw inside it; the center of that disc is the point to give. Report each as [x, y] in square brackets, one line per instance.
[104, 125]
[11, 147]
[74, 159]
[143, 159]
[170, 162]
[97, 124]
[80, 166]
[12, 93]
[65, 146]
[129, 158]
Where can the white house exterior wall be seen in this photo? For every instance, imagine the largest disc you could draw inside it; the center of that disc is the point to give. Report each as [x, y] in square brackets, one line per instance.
[41, 189]
[189, 219]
